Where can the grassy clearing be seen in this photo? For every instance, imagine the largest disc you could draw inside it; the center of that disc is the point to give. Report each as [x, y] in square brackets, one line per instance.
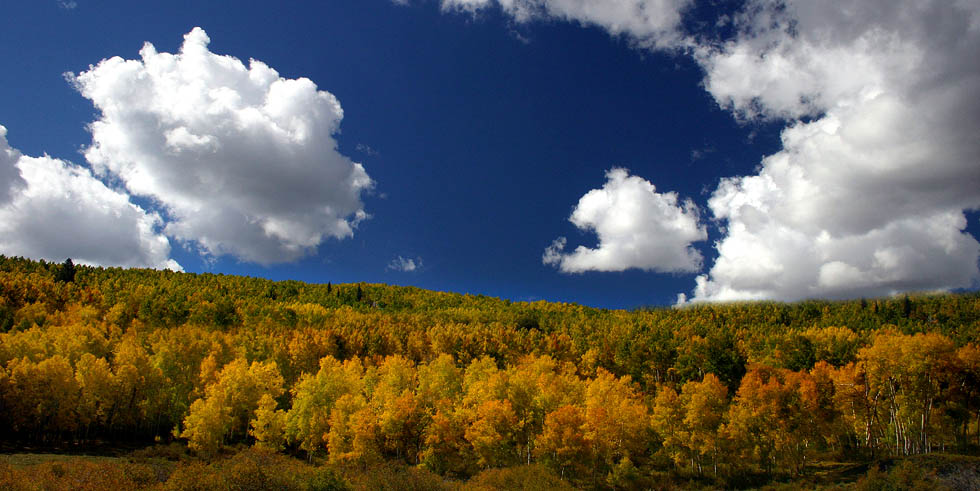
[171, 467]
[31, 459]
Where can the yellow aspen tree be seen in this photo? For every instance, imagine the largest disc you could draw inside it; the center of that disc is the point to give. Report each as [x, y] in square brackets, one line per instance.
[94, 379]
[440, 383]
[352, 438]
[268, 427]
[616, 421]
[491, 434]
[562, 444]
[446, 450]
[229, 404]
[308, 421]
[206, 425]
[704, 405]
[667, 420]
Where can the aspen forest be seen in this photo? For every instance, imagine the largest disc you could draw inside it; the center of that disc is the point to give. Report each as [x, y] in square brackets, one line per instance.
[337, 386]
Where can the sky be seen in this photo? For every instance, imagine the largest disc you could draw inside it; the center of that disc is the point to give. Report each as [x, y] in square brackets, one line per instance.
[613, 153]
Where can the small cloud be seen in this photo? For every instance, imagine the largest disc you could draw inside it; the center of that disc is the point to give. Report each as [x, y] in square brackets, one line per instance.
[637, 227]
[681, 300]
[366, 150]
[700, 153]
[521, 37]
[69, 5]
[405, 265]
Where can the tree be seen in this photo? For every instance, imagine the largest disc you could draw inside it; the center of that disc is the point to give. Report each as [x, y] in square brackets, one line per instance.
[67, 272]
[966, 388]
[137, 384]
[269, 425]
[562, 444]
[353, 435]
[491, 434]
[401, 425]
[228, 406]
[95, 402]
[666, 419]
[770, 421]
[616, 421]
[394, 401]
[440, 383]
[41, 397]
[704, 405]
[911, 373]
[308, 421]
[206, 425]
[446, 450]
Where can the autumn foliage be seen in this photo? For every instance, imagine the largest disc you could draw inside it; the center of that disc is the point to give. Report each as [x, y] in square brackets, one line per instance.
[460, 385]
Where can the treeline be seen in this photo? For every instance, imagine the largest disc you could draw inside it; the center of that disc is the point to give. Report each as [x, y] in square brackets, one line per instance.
[359, 374]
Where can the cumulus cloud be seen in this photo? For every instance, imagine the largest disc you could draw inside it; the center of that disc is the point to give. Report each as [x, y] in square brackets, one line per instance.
[54, 210]
[405, 265]
[10, 180]
[881, 157]
[637, 227]
[651, 23]
[242, 160]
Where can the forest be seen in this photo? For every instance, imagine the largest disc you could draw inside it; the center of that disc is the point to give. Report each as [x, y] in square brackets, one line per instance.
[324, 386]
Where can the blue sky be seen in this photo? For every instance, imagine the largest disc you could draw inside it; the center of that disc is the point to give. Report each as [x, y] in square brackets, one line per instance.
[803, 165]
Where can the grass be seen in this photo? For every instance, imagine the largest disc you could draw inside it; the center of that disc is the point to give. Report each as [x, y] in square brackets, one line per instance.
[169, 465]
[30, 459]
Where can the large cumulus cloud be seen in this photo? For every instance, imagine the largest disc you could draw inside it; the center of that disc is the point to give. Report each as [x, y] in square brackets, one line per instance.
[51, 209]
[242, 160]
[880, 161]
[637, 228]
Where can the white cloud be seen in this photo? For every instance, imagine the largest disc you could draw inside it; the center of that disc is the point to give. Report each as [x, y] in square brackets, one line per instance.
[867, 196]
[405, 265]
[243, 161]
[651, 23]
[637, 227]
[880, 154]
[10, 180]
[58, 210]
[67, 5]
[366, 150]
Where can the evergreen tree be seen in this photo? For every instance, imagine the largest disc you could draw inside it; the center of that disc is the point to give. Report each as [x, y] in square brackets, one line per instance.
[67, 272]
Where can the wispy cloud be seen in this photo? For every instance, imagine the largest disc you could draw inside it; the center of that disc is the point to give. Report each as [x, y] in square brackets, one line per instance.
[366, 150]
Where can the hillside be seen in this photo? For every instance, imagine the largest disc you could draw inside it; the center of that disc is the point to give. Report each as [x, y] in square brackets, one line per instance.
[458, 385]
